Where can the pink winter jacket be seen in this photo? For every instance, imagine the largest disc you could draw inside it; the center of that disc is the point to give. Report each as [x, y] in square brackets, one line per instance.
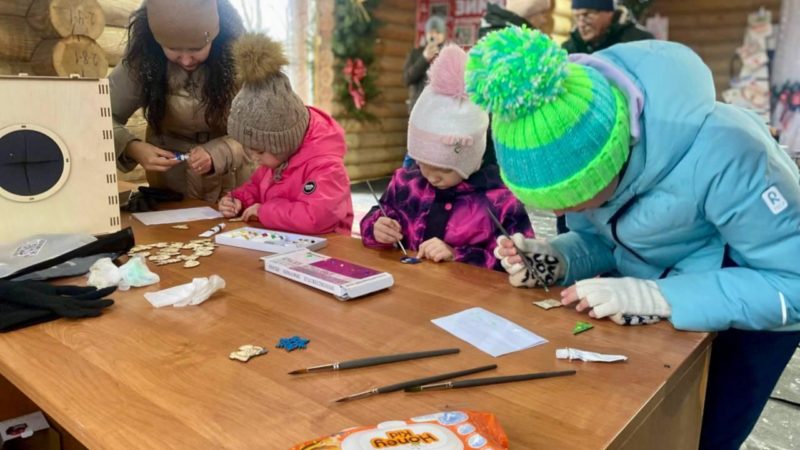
[312, 195]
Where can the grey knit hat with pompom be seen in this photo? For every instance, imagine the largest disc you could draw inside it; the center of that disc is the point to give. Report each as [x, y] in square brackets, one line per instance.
[266, 115]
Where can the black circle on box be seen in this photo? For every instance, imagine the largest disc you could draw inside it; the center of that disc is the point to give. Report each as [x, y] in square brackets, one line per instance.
[31, 163]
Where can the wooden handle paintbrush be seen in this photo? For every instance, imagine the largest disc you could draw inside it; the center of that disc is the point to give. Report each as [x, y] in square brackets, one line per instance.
[490, 380]
[374, 361]
[418, 382]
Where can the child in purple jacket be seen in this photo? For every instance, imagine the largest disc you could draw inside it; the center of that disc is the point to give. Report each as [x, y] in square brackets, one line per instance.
[439, 208]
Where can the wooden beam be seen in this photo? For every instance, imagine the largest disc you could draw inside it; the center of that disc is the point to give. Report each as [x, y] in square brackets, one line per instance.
[15, 67]
[707, 35]
[398, 17]
[14, 7]
[118, 11]
[374, 155]
[389, 124]
[70, 55]
[400, 5]
[113, 41]
[391, 64]
[713, 6]
[62, 18]
[397, 32]
[360, 172]
[17, 39]
[377, 139]
[389, 47]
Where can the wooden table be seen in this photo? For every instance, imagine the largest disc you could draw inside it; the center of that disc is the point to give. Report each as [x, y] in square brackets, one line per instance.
[140, 377]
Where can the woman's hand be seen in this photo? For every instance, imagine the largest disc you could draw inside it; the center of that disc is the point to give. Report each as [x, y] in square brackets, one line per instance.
[200, 161]
[152, 158]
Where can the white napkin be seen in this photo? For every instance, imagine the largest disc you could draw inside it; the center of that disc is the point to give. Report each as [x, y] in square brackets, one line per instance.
[194, 293]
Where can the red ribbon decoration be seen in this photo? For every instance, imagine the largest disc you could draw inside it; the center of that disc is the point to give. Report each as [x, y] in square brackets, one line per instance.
[355, 71]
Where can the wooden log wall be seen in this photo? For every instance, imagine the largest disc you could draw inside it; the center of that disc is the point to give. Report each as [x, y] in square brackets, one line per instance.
[377, 149]
[562, 20]
[712, 28]
[58, 37]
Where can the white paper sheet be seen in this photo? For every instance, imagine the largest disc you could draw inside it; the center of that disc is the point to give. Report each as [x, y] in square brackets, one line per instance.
[488, 331]
[177, 215]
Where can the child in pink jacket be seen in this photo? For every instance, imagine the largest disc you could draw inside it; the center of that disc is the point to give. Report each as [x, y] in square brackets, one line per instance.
[302, 185]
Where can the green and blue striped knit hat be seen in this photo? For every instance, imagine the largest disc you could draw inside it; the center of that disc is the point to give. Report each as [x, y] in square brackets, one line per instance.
[561, 130]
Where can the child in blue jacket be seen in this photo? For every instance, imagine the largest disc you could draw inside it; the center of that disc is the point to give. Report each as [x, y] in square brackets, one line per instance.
[685, 208]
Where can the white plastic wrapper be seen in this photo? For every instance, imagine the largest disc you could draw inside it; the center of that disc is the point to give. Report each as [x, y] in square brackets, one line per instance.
[194, 293]
[135, 273]
[573, 353]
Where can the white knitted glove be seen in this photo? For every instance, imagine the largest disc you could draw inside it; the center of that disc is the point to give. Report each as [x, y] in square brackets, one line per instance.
[624, 299]
[545, 259]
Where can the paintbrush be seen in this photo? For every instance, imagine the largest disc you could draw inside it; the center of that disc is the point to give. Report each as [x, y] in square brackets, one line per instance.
[525, 261]
[411, 383]
[374, 361]
[487, 381]
[383, 211]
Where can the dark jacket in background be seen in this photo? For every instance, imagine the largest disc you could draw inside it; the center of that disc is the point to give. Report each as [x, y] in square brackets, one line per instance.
[497, 18]
[415, 75]
[623, 29]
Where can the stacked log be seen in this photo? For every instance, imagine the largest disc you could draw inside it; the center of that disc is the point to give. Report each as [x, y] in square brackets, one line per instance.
[113, 42]
[52, 37]
[115, 35]
[18, 40]
[14, 7]
[712, 28]
[70, 55]
[65, 18]
[118, 12]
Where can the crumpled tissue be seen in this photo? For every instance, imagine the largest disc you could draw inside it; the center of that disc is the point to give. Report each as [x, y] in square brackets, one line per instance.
[194, 293]
[134, 273]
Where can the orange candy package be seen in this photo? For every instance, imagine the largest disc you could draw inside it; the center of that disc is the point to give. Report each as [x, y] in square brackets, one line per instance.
[451, 430]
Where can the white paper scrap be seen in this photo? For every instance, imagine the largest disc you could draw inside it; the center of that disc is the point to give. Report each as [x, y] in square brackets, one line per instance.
[489, 332]
[177, 215]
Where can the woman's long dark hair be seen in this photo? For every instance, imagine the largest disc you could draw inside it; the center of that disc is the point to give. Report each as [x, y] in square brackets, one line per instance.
[148, 66]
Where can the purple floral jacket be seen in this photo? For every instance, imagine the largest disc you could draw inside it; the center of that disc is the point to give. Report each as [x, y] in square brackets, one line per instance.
[457, 215]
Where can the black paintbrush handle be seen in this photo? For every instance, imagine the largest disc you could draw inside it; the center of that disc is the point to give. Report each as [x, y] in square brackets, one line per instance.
[434, 378]
[497, 223]
[525, 261]
[376, 360]
[509, 379]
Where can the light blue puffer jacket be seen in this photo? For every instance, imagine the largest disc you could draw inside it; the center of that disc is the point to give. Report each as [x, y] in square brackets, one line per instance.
[705, 177]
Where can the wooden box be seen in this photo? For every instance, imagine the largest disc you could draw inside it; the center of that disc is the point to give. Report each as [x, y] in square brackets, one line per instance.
[57, 160]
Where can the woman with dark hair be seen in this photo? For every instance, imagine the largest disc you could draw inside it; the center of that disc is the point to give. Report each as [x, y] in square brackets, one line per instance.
[178, 67]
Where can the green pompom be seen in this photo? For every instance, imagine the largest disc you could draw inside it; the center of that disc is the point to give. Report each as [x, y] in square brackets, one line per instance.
[512, 72]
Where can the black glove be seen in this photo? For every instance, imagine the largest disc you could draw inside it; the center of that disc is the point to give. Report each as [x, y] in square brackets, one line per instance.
[24, 303]
[147, 199]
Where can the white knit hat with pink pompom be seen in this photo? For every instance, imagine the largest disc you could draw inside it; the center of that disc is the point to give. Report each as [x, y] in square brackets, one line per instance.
[446, 129]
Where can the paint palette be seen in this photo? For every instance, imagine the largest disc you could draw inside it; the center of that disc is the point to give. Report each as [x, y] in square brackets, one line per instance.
[269, 241]
[343, 279]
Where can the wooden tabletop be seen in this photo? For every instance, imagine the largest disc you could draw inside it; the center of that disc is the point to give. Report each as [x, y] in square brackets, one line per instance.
[140, 377]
